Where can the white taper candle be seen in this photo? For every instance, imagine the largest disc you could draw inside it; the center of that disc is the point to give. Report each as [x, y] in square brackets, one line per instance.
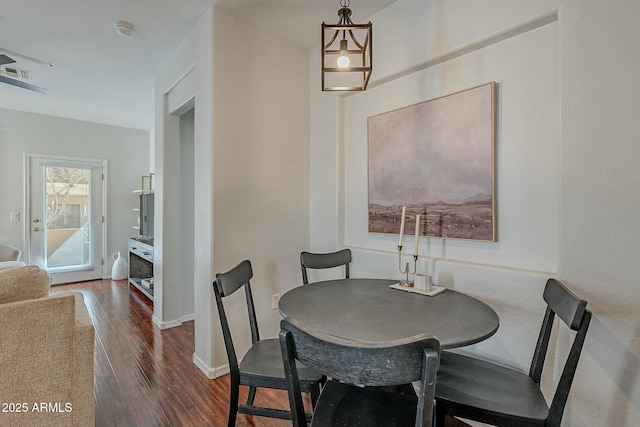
[404, 211]
[415, 245]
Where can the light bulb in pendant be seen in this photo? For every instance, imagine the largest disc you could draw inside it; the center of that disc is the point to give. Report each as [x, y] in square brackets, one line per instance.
[343, 59]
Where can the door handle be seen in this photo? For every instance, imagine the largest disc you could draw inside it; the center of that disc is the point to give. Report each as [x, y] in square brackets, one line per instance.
[35, 229]
[36, 220]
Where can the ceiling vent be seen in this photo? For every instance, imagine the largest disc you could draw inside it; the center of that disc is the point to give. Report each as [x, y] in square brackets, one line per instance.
[16, 73]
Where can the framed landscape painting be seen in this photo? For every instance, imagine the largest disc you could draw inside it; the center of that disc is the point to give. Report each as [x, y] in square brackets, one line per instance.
[437, 159]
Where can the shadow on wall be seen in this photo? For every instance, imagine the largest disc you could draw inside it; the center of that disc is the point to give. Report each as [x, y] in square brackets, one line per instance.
[270, 279]
[614, 356]
[518, 300]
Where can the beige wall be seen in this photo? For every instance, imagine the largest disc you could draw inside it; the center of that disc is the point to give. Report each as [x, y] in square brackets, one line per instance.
[261, 167]
[566, 174]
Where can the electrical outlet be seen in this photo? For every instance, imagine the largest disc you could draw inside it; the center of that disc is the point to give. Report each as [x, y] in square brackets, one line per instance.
[274, 301]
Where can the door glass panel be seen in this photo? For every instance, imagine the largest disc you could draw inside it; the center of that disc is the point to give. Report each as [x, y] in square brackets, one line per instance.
[68, 201]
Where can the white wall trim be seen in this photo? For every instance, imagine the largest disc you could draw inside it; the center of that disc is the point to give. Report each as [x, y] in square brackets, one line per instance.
[514, 31]
[172, 323]
[180, 79]
[187, 317]
[211, 373]
[165, 325]
[428, 263]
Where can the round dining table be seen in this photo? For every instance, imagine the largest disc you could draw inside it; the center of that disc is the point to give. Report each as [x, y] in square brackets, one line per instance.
[369, 310]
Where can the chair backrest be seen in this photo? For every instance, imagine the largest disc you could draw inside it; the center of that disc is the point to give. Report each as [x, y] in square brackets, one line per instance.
[226, 284]
[9, 253]
[573, 313]
[324, 260]
[358, 362]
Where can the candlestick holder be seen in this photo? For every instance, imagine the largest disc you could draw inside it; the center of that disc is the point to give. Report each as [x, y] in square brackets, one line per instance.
[406, 270]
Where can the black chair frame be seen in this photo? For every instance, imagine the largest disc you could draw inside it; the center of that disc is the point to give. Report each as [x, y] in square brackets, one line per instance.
[572, 311]
[366, 364]
[324, 260]
[267, 351]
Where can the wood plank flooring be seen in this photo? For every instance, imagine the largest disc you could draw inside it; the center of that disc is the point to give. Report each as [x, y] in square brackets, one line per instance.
[146, 377]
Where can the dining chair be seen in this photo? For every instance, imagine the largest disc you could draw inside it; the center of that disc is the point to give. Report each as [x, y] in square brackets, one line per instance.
[349, 398]
[324, 260]
[261, 365]
[493, 394]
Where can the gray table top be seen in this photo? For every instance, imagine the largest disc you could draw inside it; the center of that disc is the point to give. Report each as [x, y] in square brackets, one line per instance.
[368, 310]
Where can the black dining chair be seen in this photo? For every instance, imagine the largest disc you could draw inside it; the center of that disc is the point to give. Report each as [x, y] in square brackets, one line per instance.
[262, 365]
[324, 260]
[492, 394]
[349, 362]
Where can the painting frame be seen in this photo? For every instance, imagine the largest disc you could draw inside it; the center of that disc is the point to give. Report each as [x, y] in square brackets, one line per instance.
[437, 158]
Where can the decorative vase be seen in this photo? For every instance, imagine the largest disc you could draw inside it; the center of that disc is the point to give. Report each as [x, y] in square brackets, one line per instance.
[120, 268]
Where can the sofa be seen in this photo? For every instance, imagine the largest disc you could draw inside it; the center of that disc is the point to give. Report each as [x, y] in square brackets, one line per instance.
[46, 359]
[9, 257]
[9, 253]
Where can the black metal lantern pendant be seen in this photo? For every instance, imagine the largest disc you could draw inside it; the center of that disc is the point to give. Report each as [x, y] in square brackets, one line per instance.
[347, 56]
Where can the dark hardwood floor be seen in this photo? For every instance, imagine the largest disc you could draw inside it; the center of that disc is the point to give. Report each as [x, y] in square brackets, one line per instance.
[146, 377]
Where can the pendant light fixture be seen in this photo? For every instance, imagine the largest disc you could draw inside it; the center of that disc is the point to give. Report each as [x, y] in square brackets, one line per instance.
[347, 55]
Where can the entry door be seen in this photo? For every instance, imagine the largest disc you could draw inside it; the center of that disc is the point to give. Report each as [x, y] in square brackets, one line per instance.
[66, 232]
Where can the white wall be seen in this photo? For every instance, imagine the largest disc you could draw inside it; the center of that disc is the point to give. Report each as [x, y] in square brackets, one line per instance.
[126, 152]
[600, 207]
[185, 201]
[566, 174]
[251, 173]
[185, 75]
[527, 155]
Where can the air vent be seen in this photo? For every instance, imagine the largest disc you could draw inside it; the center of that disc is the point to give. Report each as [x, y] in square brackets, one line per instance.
[16, 73]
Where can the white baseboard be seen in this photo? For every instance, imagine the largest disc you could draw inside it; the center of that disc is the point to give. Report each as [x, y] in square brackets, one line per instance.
[172, 323]
[187, 317]
[211, 373]
[165, 325]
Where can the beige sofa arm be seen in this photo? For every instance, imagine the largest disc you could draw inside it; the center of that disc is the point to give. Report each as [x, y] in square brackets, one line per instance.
[47, 362]
[83, 359]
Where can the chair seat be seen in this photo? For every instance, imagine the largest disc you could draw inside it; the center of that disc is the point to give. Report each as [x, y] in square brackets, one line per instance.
[489, 388]
[348, 405]
[263, 362]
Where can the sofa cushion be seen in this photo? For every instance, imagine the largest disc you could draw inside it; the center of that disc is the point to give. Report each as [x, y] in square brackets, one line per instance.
[28, 282]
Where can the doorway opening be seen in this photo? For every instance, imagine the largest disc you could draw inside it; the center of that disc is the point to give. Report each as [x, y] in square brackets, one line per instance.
[65, 234]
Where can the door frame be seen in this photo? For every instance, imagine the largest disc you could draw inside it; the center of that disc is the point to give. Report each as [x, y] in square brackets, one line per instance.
[27, 201]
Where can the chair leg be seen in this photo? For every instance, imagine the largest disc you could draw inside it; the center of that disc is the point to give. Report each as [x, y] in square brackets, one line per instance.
[233, 401]
[441, 414]
[314, 392]
[252, 395]
[433, 414]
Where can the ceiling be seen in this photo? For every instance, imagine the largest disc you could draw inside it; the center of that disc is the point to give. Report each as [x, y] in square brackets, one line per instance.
[102, 76]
